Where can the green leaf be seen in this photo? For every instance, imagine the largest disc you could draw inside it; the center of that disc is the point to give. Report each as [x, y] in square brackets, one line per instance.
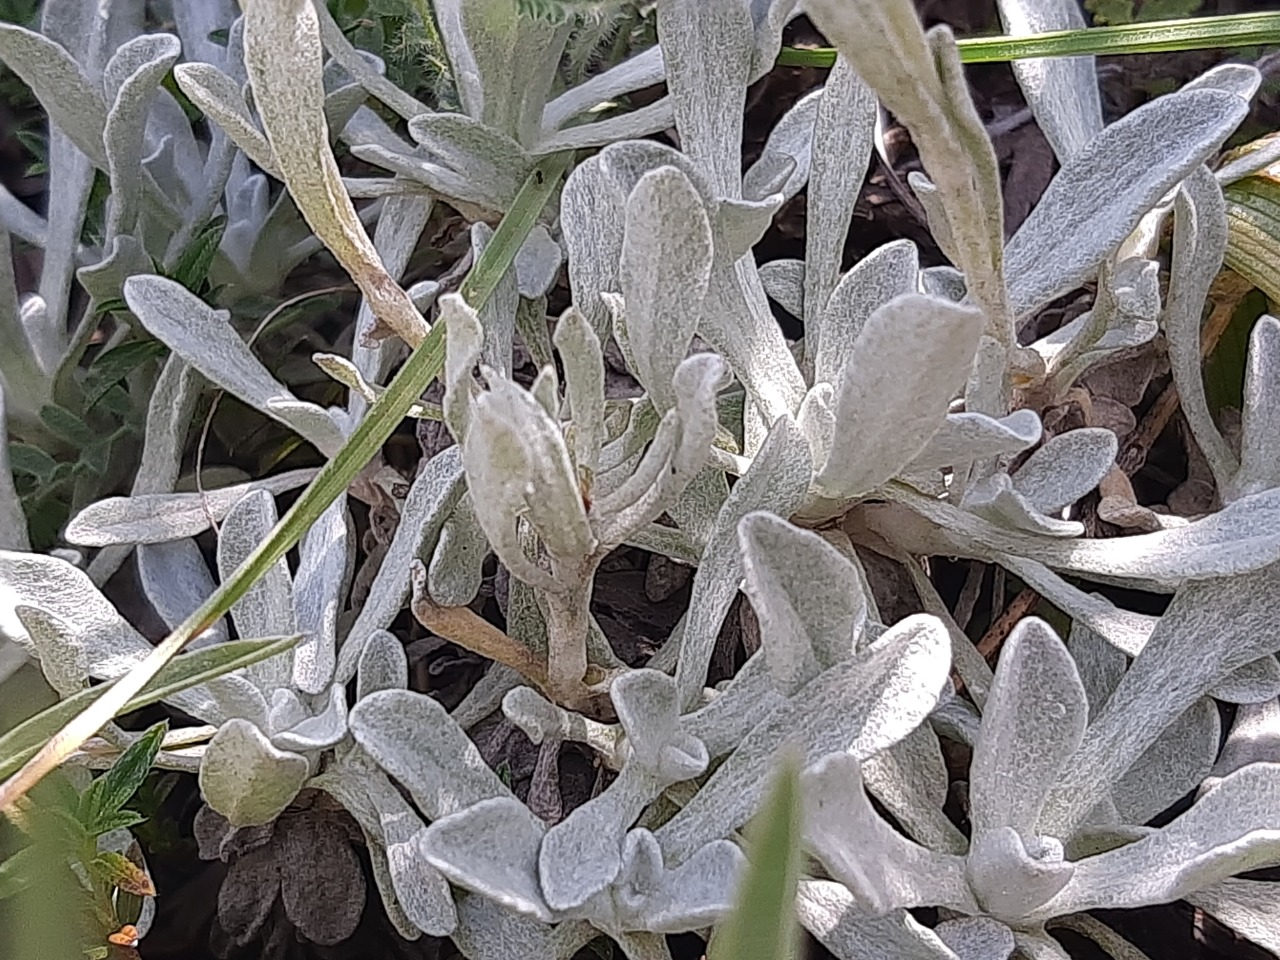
[114, 365]
[16, 872]
[181, 673]
[192, 268]
[763, 923]
[66, 426]
[122, 873]
[111, 791]
[123, 820]
[24, 458]
[1200, 33]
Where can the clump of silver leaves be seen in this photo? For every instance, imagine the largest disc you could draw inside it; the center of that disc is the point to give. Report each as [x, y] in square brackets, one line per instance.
[889, 430]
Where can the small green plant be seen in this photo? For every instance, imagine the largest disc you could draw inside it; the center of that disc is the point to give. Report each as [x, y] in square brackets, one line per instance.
[79, 843]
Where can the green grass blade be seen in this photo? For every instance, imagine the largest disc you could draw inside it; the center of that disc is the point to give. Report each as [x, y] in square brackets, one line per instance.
[763, 923]
[181, 673]
[1160, 36]
[423, 365]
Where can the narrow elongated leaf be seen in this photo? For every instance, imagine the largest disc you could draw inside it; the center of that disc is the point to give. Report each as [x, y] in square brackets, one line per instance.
[763, 923]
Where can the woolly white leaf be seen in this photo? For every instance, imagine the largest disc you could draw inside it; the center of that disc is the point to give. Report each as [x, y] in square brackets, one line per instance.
[245, 778]
[1033, 721]
[1260, 415]
[788, 152]
[219, 98]
[1011, 877]
[176, 579]
[1062, 91]
[995, 499]
[205, 338]
[1066, 468]
[1254, 738]
[162, 517]
[861, 705]
[1098, 197]
[663, 273]
[1171, 767]
[829, 911]
[318, 592]
[583, 360]
[890, 271]
[912, 356]
[1249, 907]
[777, 480]
[414, 739]
[975, 436]
[491, 847]
[883, 869]
[807, 597]
[1233, 828]
[977, 938]
[317, 732]
[383, 665]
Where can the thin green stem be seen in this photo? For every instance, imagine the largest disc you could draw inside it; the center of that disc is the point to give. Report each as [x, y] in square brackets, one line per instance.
[1163, 36]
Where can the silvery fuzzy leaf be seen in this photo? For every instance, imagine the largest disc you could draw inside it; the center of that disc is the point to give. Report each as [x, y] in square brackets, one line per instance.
[1199, 243]
[1254, 738]
[882, 868]
[479, 197]
[693, 896]
[1009, 880]
[1062, 91]
[109, 645]
[977, 938]
[318, 590]
[1034, 719]
[583, 359]
[784, 164]
[1230, 829]
[1248, 907]
[473, 149]
[456, 573]
[734, 711]
[911, 358]
[62, 659]
[649, 712]
[498, 314]
[777, 480]
[205, 338]
[245, 778]
[592, 222]
[218, 96]
[996, 500]
[679, 452]
[708, 49]
[842, 138]
[1242, 79]
[1171, 767]
[643, 69]
[240, 698]
[1260, 414]
[196, 22]
[491, 847]
[1255, 682]
[786, 569]
[383, 665]
[975, 436]
[1241, 538]
[163, 517]
[64, 90]
[414, 739]
[1039, 945]
[910, 780]
[1211, 628]
[1067, 467]
[267, 607]
[784, 283]
[663, 274]
[817, 421]
[431, 499]
[889, 271]
[541, 720]
[1098, 197]
[464, 339]
[286, 710]
[487, 931]
[860, 706]
[1099, 664]
[517, 463]
[130, 80]
[176, 579]
[538, 263]
[829, 912]
[320, 731]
